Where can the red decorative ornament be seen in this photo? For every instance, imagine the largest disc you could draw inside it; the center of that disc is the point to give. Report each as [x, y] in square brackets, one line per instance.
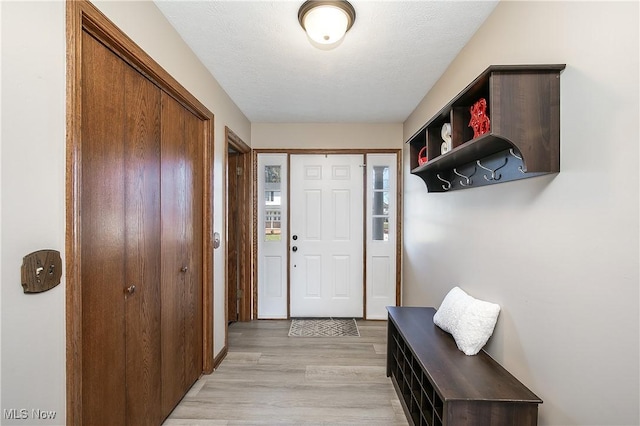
[479, 119]
[422, 156]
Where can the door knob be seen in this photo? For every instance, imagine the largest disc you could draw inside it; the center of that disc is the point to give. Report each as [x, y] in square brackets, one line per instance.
[184, 269]
[295, 237]
[130, 290]
[294, 248]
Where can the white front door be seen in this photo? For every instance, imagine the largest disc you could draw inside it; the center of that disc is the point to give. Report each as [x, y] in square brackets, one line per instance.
[326, 238]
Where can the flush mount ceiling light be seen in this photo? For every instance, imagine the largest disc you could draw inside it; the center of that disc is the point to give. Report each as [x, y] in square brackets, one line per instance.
[326, 22]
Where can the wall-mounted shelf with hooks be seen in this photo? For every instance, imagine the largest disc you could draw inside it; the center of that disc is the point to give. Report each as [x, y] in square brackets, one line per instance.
[521, 138]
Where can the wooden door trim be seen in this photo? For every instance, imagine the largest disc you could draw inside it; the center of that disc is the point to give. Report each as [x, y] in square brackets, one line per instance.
[83, 16]
[399, 204]
[244, 216]
[364, 152]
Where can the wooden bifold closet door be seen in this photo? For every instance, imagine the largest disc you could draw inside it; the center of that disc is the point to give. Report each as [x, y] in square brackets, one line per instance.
[181, 252]
[141, 239]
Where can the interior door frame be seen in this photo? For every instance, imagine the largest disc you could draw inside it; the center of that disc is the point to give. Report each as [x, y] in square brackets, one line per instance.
[244, 216]
[84, 16]
[364, 152]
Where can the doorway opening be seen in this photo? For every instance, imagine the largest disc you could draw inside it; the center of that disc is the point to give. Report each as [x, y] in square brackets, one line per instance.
[238, 232]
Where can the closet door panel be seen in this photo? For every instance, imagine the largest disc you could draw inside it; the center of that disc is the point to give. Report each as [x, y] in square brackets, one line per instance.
[194, 132]
[174, 252]
[181, 183]
[142, 249]
[102, 236]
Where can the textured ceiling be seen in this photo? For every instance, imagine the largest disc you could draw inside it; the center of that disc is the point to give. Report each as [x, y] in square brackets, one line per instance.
[387, 62]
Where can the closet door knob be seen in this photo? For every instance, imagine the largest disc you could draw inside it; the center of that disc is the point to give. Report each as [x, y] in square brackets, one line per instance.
[130, 290]
[184, 269]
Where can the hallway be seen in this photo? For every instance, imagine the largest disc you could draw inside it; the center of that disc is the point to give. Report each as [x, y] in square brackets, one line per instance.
[269, 378]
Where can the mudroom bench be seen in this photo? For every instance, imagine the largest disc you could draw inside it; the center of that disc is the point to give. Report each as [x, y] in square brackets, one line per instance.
[439, 385]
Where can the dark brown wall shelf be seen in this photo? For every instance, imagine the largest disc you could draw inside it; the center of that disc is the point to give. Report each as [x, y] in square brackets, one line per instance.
[523, 105]
[439, 385]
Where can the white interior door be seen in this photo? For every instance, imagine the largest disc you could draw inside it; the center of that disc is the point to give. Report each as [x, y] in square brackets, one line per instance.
[326, 238]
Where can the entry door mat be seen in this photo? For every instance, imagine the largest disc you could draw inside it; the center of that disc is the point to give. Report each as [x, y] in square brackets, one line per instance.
[324, 327]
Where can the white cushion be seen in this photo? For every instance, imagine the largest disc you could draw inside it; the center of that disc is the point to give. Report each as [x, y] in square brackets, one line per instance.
[471, 321]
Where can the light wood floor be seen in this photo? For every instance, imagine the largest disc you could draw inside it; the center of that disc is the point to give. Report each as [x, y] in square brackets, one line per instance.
[269, 378]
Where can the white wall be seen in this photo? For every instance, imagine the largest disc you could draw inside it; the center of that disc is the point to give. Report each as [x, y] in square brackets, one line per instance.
[33, 173]
[33, 181]
[326, 135]
[558, 253]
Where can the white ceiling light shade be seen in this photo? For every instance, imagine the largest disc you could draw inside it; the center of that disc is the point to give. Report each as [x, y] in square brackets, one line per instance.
[326, 22]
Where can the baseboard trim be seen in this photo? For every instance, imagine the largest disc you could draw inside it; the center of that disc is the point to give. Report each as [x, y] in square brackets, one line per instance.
[221, 356]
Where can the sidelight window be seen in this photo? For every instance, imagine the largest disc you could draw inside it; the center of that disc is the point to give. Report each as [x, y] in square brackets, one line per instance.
[272, 203]
[380, 203]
